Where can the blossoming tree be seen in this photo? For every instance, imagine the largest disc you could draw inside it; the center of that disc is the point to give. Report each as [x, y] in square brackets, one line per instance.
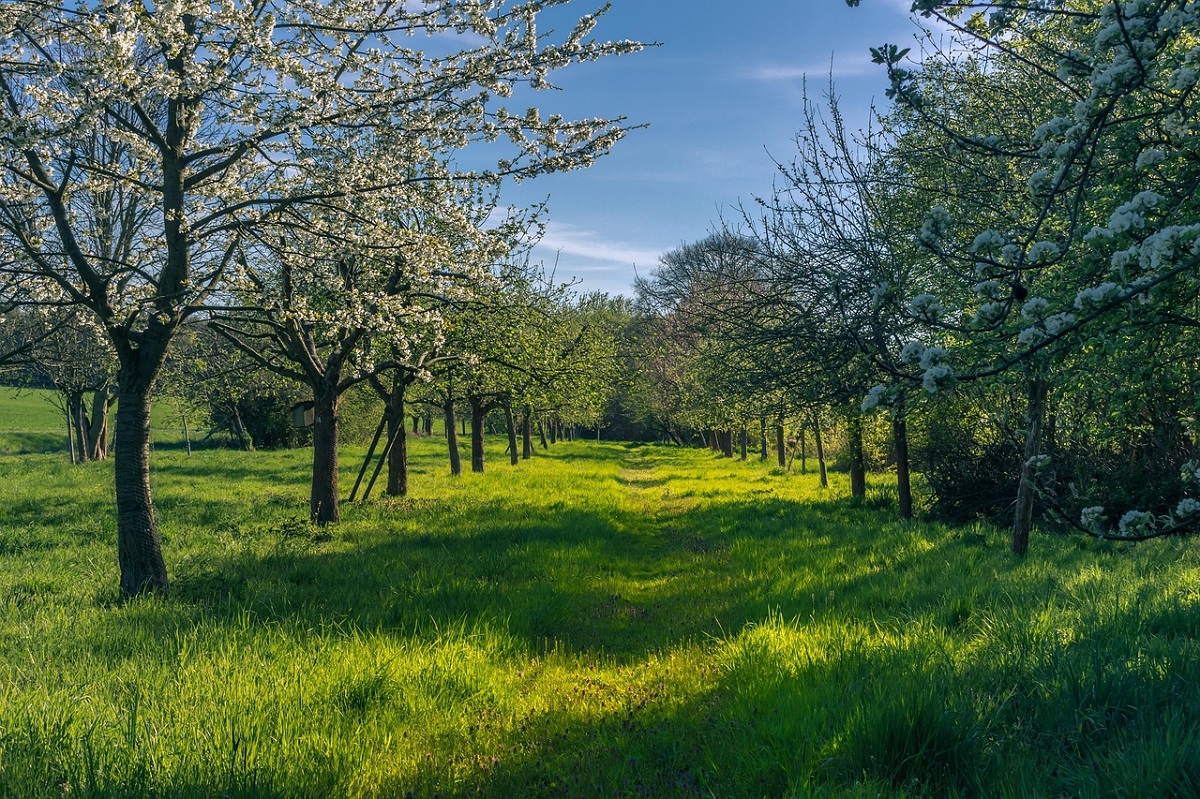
[142, 144]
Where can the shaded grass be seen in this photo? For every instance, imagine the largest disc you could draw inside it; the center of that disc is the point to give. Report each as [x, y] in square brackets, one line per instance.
[601, 621]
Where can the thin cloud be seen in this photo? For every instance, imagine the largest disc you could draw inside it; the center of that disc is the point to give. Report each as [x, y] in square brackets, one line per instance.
[840, 66]
[577, 242]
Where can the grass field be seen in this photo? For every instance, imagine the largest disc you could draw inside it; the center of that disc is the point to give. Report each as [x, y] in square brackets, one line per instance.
[605, 620]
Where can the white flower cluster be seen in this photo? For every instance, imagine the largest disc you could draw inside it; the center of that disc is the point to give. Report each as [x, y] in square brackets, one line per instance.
[934, 227]
[879, 397]
[926, 307]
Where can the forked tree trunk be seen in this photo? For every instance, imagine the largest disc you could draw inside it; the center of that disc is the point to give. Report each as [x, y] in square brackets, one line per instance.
[527, 434]
[511, 425]
[858, 470]
[820, 453]
[323, 499]
[1035, 415]
[903, 480]
[477, 418]
[139, 547]
[452, 436]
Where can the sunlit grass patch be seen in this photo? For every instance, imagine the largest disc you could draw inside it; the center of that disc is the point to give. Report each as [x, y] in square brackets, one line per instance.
[600, 620]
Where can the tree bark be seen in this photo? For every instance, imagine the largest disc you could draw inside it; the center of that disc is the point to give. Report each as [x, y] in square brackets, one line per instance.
[542, 434]
[762, 423]
[1035, 415]
[745, 442]
[511, 425]
[477, 418]
[527, 434]
[79, 423]
[858, 468]
[803, 451]
[820, 453]
[139, 546]
[903, 479]
[780, 444]
[452, 436]
[553, 431]
[323, 499]
[397, 456]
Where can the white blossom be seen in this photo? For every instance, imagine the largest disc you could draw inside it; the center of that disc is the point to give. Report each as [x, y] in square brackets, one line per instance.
[926, 307]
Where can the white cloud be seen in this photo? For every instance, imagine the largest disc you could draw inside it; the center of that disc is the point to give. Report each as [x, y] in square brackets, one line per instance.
[578, 242]
[842, 66]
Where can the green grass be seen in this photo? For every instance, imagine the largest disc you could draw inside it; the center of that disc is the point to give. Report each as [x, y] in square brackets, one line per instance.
[605, 620]
[31, 422]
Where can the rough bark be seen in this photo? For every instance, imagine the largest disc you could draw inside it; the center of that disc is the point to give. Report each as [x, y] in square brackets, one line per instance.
[452, 437]
[323, 498]
[139, 546]
[511, 425]
[527, 434]
[820, 444]
[397, 456]
[1035, 415]
[858, 470]
[477, 418]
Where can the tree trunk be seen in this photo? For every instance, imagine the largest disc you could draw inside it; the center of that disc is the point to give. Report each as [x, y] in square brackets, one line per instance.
[452, 436]
[80, 425]
[527, 434]
[858, 468]
[542, 434]
[70, 434]
[726, 439]
[323, 499]
[903, 481]
[428, 420]
[239, 430]
[762, 424]
[477, 418]
[139, 548]
[780, 445]
[397, 455]
[745, 442]
[554, 431]
[820, 453]
[1035, 415]
[511, 425]
[803, 451]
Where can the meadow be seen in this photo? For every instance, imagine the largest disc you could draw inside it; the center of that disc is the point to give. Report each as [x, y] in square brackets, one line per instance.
[603, 620]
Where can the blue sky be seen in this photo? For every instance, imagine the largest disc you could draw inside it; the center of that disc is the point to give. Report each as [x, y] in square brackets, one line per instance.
[721, 96]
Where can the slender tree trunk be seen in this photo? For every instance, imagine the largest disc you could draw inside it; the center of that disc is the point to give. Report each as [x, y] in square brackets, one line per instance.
[397, 456]
[553, 431]
[477, 418]
[745, 442]
[726, 439]
[464, 427]
[239, 430]
[1035, 415]
[139, 548]
[323, 499]
[803, 451]
[527, 434]
[542, 434]
[903, 481]
[820, 452]
[762, 424]
[416, 424]
[511, 425]
[428, 419]
[79, 418]
[780, 444]
[451, 436]
[187, 436]
[70, 433]
[858, 469]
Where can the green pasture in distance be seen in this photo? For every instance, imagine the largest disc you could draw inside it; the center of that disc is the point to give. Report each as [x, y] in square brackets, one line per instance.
[604, 620]
[32, 421]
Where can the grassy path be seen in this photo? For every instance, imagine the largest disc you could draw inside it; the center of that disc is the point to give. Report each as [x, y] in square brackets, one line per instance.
[602, 620]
